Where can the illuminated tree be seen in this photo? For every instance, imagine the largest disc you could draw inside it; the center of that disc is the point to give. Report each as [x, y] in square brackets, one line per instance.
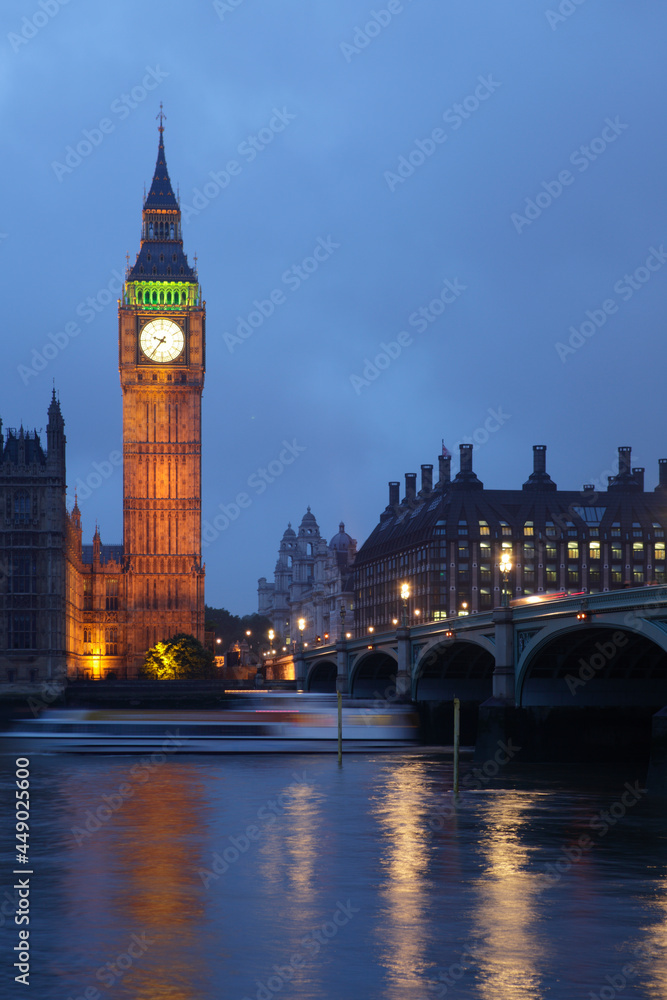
[180, 658]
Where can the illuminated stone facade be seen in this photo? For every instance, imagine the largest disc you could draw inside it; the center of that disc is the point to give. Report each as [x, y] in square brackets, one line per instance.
[161, 347]
[312, 581]
[92, 611]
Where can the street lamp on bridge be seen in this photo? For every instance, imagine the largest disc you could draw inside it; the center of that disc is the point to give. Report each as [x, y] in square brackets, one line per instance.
[505, 569]
[405, 594]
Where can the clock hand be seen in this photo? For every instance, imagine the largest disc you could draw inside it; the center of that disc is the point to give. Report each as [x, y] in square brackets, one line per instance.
[158, 344]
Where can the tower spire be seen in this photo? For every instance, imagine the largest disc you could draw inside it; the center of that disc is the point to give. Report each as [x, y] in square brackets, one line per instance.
[161, 256]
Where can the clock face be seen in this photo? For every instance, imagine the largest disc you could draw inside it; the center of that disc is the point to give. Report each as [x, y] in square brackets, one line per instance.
[161, 340]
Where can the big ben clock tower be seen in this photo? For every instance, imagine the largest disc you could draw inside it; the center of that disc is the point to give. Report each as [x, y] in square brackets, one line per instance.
[161, 344]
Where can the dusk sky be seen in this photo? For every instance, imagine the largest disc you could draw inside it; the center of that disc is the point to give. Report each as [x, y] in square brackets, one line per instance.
[502, 160]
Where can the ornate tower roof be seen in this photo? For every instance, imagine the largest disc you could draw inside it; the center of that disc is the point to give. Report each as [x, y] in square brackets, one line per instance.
[161, 256]
[161, 195]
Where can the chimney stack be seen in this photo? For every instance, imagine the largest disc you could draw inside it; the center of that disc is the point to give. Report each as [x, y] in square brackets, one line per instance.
[624, 462]
[465, 451]
[410, 486]
[638, 475]
[539, 458]
[445, 469]
[662, 469]
[394, 494]
[427, 478]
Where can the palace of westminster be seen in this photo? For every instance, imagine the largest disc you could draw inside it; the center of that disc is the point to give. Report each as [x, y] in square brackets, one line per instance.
[74, 610]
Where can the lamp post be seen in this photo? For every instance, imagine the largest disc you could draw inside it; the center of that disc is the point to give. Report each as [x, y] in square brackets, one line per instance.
[405, 594]
[505, 569]
[301, 625]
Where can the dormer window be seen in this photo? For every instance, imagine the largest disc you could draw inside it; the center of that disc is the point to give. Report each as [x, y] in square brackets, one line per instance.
[182, 270]
[168, 268]
[148, 256]
[154, 269]
[162, 258]
[173, 257]
[141, 269]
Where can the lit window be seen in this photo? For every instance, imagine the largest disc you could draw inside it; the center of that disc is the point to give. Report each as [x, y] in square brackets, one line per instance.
[658, 530]
[659, 550]
[573, 550]
[594, 550]
[484, 528]
[529, 528]
[112, 593]
[506, 530]
[638, 551]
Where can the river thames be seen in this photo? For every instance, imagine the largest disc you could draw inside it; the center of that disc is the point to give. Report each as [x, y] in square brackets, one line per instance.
[230, 877]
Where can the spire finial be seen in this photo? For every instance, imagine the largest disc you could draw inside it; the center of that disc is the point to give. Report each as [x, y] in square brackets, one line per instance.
[161, 118]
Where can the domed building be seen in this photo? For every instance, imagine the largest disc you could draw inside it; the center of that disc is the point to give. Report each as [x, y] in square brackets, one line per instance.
[312, 580]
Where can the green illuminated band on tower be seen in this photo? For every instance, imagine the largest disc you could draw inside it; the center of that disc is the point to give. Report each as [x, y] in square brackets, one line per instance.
[161, 295]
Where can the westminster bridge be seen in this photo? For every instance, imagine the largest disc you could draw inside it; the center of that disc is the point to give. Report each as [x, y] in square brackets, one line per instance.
[581, 672]
[593, 649]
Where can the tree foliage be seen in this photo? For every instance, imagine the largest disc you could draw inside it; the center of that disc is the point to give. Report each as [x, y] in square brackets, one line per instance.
[230, 628]
[178, 659]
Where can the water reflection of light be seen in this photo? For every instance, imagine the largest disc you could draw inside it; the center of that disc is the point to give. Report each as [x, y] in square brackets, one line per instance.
[139, 873]
[399, 808]
[511, 953]
[650, 953]
[291, 844]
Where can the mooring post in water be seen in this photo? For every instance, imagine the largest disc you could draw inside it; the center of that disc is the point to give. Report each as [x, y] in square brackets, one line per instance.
[340, 728]
[457, 740]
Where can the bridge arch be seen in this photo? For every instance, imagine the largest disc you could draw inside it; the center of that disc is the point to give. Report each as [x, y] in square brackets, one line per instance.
[613, 660]
[458, 667]
[373, 674]
[321, 676]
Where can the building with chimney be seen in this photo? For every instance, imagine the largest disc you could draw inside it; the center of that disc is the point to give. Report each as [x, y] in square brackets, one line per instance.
[312, 581]
[446, 540]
